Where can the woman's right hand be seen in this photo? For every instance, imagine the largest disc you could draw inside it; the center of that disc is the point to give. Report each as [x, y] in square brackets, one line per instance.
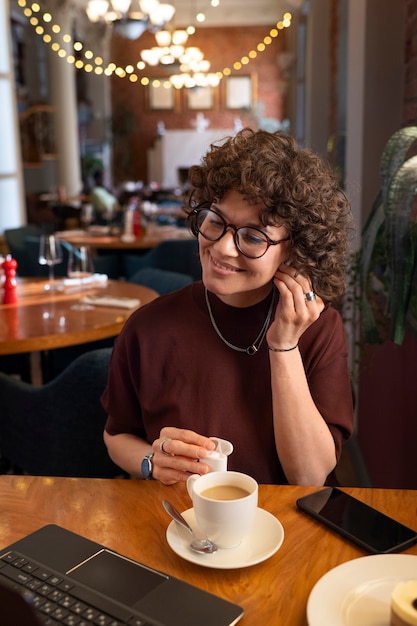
[178, 453]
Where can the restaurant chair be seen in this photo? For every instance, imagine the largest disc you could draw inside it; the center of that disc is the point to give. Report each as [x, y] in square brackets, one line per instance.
[173, 255]
[161, 281]
[32, 244]
[107, 263]
[16, 244]
[56, 429]
[103, 264]
[23, 244]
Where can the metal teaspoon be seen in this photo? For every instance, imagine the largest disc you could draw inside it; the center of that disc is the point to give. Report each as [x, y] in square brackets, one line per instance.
[198, 544]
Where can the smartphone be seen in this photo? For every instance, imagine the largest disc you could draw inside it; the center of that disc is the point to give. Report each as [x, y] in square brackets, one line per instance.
[370, 529]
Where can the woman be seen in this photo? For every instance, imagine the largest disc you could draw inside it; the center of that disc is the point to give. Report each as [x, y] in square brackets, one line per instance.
[254, 353]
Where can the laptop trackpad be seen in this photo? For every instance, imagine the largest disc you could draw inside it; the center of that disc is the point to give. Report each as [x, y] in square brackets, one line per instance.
[117, 577]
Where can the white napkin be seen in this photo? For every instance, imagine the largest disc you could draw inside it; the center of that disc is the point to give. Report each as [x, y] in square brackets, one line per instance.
[110, 301]
[88, 280]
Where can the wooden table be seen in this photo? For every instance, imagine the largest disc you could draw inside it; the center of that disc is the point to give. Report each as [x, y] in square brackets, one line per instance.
[44, 320]
[114, 242]
[128, 517]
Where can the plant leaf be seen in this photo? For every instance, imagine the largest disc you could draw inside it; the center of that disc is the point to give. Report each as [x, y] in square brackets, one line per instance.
[399, 244]
[369, 236]
[394, 155]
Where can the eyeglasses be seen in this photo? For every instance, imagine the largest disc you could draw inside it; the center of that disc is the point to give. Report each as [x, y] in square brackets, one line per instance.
[252, 242]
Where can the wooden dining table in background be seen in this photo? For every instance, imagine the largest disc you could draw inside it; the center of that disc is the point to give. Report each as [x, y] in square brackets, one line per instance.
[100, 239]
[127, 516]
[44, 319]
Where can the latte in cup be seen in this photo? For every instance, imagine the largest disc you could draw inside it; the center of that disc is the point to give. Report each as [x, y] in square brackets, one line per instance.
[224, 492]
[225, 505]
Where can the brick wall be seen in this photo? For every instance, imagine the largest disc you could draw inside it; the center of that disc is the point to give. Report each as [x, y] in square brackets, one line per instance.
[222, 46]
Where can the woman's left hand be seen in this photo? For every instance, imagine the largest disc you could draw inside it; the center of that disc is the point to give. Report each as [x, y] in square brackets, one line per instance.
[297, 309]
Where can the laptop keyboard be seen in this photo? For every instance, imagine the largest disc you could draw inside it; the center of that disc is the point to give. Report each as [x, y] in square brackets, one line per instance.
[58, 599]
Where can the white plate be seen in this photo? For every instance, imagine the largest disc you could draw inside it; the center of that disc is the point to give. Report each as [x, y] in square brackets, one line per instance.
[263, 541]
[358, 592]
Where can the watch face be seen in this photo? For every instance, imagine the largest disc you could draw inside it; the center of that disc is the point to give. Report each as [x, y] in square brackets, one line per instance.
[147, 466]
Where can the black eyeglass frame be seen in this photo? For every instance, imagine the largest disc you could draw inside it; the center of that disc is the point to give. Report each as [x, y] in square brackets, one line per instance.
[196, 231]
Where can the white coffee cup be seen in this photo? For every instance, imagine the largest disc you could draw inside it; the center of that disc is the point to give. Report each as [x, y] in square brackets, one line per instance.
[224, 505]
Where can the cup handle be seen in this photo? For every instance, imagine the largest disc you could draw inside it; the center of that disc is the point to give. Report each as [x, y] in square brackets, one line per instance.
[190, 482]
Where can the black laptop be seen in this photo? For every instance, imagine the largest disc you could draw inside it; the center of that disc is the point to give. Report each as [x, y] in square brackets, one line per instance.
[54, 576]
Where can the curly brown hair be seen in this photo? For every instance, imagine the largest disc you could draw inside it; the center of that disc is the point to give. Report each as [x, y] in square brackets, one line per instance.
[297, 188]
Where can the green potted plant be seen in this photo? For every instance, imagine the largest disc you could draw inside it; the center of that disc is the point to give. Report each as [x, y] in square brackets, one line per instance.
[89, 165]
[386, 262]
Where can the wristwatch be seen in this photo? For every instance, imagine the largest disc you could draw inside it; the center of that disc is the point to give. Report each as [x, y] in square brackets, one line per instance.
[147, 467]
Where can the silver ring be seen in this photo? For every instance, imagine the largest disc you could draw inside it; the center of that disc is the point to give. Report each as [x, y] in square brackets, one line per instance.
[310, 296]
[161, 446]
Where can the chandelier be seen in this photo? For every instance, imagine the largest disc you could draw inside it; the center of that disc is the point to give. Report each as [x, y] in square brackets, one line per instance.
[171, 49]
[189, 61]
[130, 18]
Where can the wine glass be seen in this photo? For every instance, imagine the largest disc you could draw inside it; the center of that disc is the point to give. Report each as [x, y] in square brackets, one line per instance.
[80, 267]
[50, 254]
[80, 263]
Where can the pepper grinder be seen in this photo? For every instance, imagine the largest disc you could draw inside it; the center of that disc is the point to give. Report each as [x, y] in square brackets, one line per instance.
[10, 283]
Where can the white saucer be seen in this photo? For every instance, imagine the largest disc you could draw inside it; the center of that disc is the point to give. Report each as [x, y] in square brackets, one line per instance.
[358, 592]
[263, 541]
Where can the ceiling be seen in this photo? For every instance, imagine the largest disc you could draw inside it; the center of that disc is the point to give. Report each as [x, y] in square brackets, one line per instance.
[228, 13]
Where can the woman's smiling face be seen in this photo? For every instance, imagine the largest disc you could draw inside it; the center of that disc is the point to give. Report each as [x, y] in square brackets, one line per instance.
[233, 277]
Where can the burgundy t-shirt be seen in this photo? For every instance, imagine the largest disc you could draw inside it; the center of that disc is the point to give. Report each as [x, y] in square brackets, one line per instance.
[170, 368]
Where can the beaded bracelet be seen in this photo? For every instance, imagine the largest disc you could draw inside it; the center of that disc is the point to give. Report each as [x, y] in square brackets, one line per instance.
[282, 349]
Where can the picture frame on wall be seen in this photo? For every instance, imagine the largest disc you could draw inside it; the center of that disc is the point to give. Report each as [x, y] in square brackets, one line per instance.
[200, 98]
[161, 95]
[239, 92]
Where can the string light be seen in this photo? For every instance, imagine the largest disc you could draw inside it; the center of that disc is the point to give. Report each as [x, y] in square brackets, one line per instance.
[95, 62]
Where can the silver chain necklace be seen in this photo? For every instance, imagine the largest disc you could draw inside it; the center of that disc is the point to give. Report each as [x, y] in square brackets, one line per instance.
[254, 347]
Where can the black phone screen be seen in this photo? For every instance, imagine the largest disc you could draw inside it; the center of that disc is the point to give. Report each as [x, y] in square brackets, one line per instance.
[372, 530]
